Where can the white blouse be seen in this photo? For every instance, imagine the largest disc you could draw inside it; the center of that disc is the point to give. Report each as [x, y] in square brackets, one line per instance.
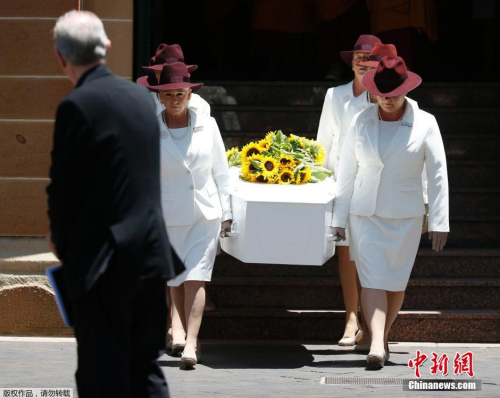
[181, 139]
[387, 131]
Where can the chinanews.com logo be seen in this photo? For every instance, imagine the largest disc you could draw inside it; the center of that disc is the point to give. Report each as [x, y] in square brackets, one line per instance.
[442, 365]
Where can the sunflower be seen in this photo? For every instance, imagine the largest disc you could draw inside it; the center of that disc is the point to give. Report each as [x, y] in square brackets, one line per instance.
[255, 161]
[270, 166]
[286, 177]
[270, 136]
[264, 144]
[245, 171]
[250, 149]
[298, 139]
[303, 175]
[286, 161]
[258, 177]
[273, 179]
[321, 155]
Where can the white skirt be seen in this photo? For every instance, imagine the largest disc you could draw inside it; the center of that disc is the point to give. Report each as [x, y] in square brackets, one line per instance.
[384, 250]
[196, 246]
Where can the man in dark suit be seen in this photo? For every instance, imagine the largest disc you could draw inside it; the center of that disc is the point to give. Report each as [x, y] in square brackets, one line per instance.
[105, 218]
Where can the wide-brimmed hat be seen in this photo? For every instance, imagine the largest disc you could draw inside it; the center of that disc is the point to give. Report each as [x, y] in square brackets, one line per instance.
[166, 54]
[391, 78]
[172, 77]
[378, 52]
[364, 44]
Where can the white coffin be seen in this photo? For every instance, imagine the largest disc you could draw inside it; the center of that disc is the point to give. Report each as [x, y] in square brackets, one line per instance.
[281, 224]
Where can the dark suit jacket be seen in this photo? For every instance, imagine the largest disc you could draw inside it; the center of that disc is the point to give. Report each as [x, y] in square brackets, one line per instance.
[104, 195]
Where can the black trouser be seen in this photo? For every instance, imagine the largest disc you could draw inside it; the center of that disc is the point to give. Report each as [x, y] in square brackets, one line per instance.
[120, 337]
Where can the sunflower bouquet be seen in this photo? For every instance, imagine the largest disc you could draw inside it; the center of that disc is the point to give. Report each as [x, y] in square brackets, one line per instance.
[278, 159]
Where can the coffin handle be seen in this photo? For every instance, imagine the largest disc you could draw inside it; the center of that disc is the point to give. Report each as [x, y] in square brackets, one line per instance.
[234, 232]
[330, 237]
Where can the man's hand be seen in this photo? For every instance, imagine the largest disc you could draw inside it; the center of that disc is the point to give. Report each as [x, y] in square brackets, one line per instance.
[438, 240]
[52, 247]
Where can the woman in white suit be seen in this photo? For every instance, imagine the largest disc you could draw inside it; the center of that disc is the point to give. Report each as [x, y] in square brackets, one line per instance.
[168, 54]
[379, 195]
[329, 134]
[195, 196]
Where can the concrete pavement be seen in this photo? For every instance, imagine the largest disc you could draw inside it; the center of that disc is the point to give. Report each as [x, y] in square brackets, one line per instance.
[261, 369]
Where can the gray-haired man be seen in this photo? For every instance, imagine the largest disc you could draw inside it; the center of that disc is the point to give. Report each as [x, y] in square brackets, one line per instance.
[105, 218]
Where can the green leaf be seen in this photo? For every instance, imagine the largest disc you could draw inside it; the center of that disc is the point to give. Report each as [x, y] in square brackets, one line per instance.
[256, 164]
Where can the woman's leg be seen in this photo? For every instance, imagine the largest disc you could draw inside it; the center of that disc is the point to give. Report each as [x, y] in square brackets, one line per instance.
[394, 304]
[178, 316]
[366, 338]
[374, 304]
[194, 305]
[350, 292]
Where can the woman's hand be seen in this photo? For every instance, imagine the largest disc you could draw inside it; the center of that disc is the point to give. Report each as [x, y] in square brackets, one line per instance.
[339, 234]
[438, 240]
[225, 226]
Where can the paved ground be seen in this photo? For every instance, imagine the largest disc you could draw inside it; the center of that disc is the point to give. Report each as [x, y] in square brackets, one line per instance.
[260, 369]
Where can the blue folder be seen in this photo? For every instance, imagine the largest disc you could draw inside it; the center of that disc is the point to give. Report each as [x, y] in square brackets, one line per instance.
[56, 279]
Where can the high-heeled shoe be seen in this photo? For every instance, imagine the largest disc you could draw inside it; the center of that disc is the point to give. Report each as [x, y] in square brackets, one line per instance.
[375, 360]
[350, 341]
[190, 361]
[387, 352]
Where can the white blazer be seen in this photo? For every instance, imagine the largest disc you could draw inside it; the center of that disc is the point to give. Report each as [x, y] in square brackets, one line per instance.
[391, 186]
[202, 180]
[196, 103]
[330, 123]
[359, 104]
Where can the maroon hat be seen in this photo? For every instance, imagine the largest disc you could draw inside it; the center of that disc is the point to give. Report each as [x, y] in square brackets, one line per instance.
[166, 54]
[379, 51]
[391, 78]
[364, 44]
[173, 76]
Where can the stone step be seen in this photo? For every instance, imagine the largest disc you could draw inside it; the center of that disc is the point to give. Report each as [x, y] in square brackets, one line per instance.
[255, 93]
[472, 231]
[457, 147]
[451, 262]
[473, 173]
[28, 305]
[29, 255]
[25, 254]
[325, 293]
[471, 147]
[304, 120]
[475, 201]
[476, 326]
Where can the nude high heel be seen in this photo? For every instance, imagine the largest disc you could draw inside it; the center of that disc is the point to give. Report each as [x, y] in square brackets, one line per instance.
[189, 361]
[350, 341]
[375, 360]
